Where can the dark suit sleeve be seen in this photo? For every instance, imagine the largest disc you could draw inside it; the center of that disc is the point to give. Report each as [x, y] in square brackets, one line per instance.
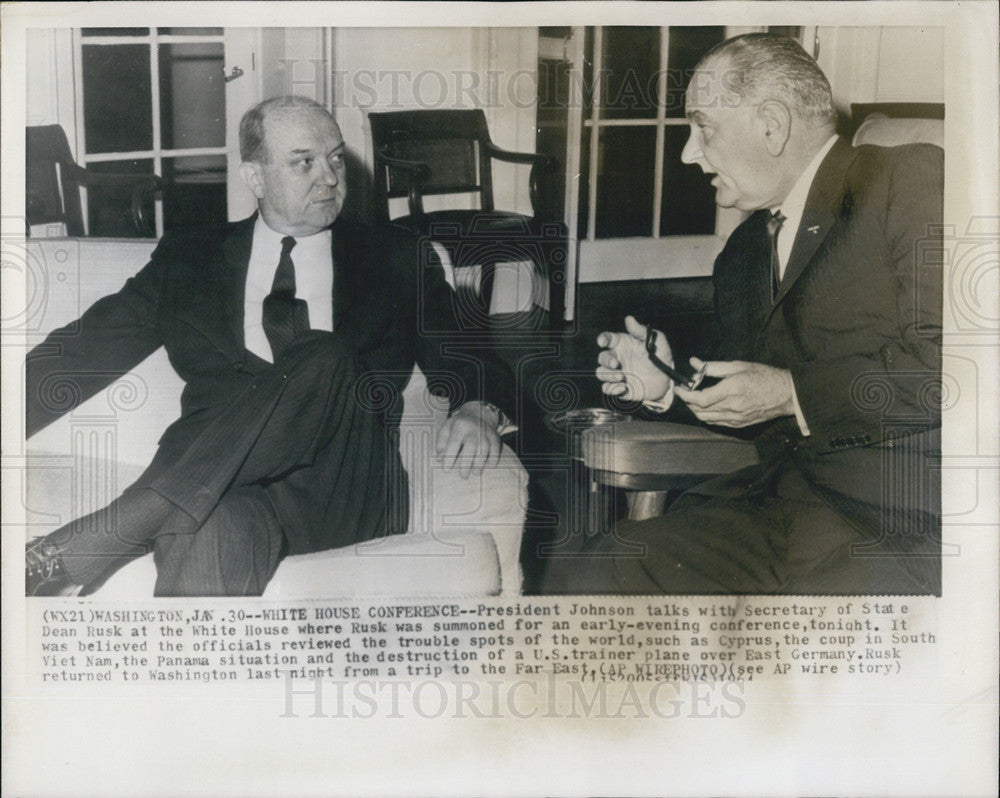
[77, 361]
[900, 372]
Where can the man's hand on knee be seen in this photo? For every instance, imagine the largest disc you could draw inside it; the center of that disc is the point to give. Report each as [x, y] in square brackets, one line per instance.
[468, 440]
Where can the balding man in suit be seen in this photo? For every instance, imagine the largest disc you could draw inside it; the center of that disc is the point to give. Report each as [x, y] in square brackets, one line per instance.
[285, 328]
[827, 347]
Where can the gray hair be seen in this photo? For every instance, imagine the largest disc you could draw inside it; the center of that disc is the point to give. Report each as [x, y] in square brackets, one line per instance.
[253, 148]
[769, 66]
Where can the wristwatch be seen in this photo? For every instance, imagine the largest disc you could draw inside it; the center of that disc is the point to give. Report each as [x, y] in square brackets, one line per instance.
[502, 421]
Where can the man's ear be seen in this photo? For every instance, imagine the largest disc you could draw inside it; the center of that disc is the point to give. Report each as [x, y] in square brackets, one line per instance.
[251, 174]
[776, 121]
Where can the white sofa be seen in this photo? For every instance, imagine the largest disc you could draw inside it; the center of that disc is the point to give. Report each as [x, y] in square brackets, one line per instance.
[464, 535]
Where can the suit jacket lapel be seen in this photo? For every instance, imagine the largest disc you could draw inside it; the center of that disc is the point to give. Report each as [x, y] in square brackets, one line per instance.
[233, 279]
[359, 318]
[345, 279]
[824, 205]
[212, 302]
[353, 315]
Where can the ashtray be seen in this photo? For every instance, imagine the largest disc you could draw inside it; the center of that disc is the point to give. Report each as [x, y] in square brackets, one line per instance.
[573, 423]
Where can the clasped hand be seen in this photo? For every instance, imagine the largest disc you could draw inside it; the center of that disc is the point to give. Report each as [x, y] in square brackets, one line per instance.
[624, 367]
[468, 440]
[746, 394]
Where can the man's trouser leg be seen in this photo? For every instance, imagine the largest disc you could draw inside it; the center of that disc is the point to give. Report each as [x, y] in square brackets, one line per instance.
[300, 414]
[302, 405]
[234, 553]
[689, 549]
[743, 533]
[96, 545]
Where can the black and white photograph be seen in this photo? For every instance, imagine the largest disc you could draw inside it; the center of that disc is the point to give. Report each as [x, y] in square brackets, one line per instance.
[578, 398]
[804, 462]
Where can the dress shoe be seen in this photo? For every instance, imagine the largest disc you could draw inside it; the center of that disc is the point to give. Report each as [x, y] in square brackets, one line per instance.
[44, 571]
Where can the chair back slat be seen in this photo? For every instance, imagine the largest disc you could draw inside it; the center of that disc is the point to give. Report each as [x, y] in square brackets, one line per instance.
[455, 165]
[451, 142]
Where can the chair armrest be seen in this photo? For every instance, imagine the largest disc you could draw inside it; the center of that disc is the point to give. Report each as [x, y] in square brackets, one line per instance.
[651, 450]
[539, 163]
[89, 177]
[415, 173]
[141, 186]
[149, 185]
[534, 158]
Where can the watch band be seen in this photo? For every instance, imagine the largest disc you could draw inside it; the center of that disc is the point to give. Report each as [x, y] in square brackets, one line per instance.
[691, 383]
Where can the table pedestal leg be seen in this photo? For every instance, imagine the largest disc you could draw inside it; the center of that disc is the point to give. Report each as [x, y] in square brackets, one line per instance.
[643, 504]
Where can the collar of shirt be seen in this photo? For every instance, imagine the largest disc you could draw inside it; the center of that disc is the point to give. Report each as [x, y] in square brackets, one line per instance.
[795, 204]
[313, 259]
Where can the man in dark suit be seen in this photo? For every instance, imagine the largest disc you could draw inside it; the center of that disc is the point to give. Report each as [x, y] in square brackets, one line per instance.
[826, 349]
[295, 333]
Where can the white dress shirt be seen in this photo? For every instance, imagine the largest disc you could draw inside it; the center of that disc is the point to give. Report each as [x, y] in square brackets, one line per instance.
[312, 257]
[795, 204]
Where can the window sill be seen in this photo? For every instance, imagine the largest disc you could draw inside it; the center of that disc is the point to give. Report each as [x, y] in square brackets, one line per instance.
[648, 259]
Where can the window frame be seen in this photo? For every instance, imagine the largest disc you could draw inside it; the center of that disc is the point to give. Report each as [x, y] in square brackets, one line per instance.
[157, 153]
[639, 257]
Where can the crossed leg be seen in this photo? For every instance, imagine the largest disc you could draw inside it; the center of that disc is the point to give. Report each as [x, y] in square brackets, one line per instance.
[296, 453]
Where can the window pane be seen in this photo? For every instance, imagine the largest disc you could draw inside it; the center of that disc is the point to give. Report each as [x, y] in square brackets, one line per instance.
[688, 206]
[625, 181]
[115, 31]
[631, 62]
[192, 95]
[687, 46]
[194, 191]
[117, 103]
[110, 207]
[189, 31]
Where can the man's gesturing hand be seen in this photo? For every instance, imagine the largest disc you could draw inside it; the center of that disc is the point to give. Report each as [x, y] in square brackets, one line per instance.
[748, 393]
[469, 439]
[626, 370]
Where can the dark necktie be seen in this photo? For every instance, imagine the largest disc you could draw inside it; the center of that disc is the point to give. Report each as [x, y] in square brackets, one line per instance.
[284, 316]
[773, 228]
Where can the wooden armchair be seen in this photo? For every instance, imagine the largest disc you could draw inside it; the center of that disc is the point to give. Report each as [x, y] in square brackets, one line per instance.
[53, 181]
[420, 154]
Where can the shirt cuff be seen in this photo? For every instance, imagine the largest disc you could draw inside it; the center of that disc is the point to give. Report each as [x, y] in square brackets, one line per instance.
[803, 427]
[661, 405]
[504, 424]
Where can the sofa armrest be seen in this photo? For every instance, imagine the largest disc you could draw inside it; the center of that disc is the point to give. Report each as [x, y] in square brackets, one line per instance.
[442, 502]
